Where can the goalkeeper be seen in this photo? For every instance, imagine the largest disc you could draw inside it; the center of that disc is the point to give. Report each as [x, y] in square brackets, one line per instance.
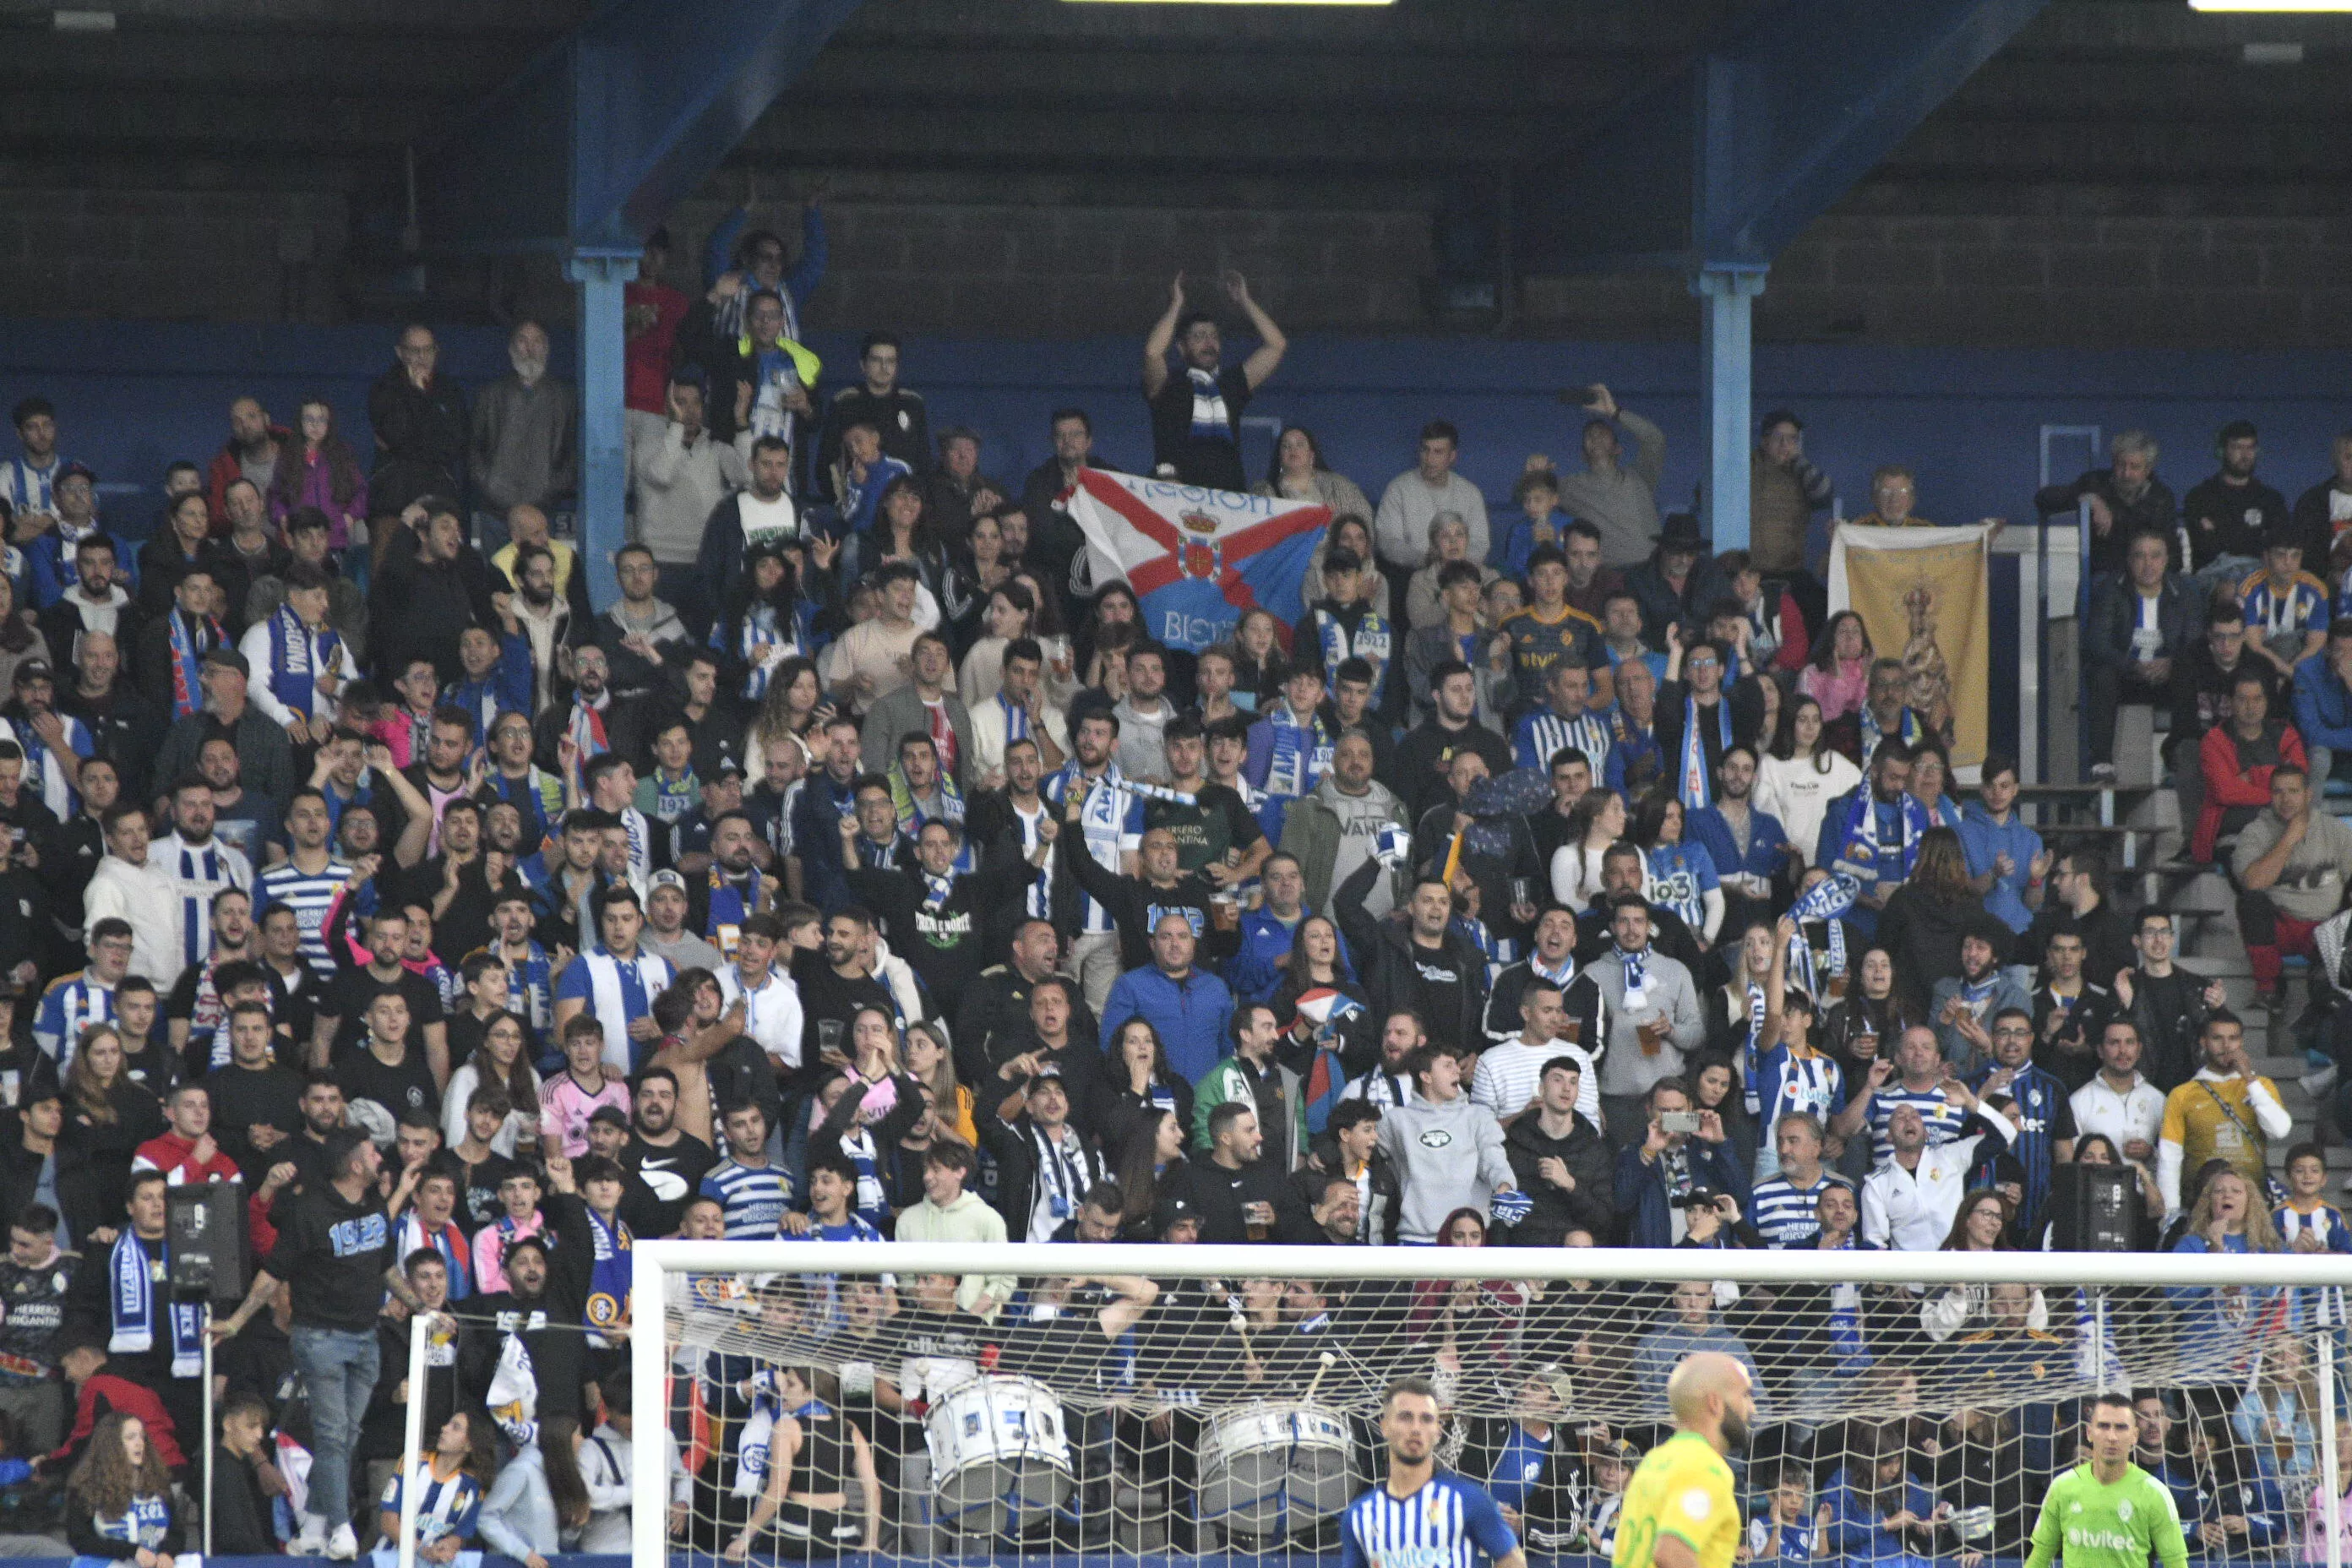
[2108, 1513]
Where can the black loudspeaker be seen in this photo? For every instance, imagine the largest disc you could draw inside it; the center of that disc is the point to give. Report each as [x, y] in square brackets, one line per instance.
[2093, 1208]
[204, 1242]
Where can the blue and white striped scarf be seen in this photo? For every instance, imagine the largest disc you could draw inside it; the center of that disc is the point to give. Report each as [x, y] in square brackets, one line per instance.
[297, 655]
[1302, 753]
[207, 868]
[131, 1300]
[1823, 901]
[1210, 422]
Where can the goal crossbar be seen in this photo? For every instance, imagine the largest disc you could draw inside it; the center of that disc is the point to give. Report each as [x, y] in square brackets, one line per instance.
[653, 1262]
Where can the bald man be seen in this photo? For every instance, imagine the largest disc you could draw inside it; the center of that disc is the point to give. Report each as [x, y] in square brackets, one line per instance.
[1679, 1509]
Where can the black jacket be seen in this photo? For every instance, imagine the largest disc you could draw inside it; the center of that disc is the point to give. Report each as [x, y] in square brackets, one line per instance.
[422, 439]
[1014, 1146]
[1384, 954]
[1378, 1227]
[2155, 512]
[1217, 1194]
[1416, 770]
[1581, 999]
[1592, 1164]
[2115, 614]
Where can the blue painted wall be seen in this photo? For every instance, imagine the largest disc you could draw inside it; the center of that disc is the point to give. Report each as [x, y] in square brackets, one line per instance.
[134, 396]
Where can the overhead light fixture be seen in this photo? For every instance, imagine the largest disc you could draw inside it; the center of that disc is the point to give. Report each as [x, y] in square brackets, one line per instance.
[2296, 7]
[82, 21]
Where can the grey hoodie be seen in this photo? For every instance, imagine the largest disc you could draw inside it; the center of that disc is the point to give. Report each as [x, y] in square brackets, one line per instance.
[1447, 1157]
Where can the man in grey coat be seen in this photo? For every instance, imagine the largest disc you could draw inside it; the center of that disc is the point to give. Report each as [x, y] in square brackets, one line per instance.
[1334, 829]
[1654, 1020]
[909, 709]
[1448, 1151]
[526, 446]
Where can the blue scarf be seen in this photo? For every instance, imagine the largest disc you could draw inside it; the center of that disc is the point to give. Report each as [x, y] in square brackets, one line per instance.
[131, 1299]
[187, 693]
[1636, 977]
[1302, 753]
[1210, 420]
[1016, 720]
[608, 1278]
[1860, 854]
[296, 658]
[1750, 1052]
[1823, 901]
[1695, 785]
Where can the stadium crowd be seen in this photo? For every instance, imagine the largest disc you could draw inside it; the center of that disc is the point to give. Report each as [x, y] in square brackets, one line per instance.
[865, 869]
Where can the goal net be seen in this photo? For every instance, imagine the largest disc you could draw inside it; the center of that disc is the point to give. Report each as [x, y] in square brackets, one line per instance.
[943, 1402]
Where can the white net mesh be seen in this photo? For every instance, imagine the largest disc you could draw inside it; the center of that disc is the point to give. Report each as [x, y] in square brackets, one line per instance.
[1237, 1415]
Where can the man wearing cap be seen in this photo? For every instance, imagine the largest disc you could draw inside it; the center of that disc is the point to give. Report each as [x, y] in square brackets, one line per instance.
[665, 935]
[1044, 1164]
[53, 743]
[265, 757]
[1678, 582]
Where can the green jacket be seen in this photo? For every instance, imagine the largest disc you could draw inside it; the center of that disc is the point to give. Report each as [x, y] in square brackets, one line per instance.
[1311, 831]
[1228, 1081]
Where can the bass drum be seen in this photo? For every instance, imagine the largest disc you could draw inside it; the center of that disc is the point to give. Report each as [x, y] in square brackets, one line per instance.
[1270, 1470]
[999, 1453]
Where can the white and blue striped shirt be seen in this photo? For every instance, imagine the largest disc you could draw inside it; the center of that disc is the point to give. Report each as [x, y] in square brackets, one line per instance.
[1785, 1214]
[1447, 1523]
[1112, 823]
[444, 1508]
[1943, 1118]
[70, 1003]
[197, 872]
[753, 1198]
[308, 897]
[1542, 734]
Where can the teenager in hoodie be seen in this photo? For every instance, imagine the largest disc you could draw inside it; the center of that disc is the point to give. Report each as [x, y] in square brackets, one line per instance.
[950, 1213]
[1448, 1152]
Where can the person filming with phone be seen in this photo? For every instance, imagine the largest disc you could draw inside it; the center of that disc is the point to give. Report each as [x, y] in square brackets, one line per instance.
[1683, 1157]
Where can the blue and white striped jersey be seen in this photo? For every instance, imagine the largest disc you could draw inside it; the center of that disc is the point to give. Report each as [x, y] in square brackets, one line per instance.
[753, 1197]
[308, 896]
[1943, 1118]
[70, 1001]
[1447, 1523]
[1544, 732]
[446, 1509]
[1785, 1214]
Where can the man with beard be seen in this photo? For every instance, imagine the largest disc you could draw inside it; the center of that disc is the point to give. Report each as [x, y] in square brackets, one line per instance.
[544, 618]
[541, 1307]
[306, 881]
[1111, 825]
[1196, 417]
[1750, 847]
[2126, 499]
[2227, 518]
[95, 603]
[431, 588]
[525, 438]
[827, 794]
[463, 883]
[994, 1009]
[1019, 818]
[1424, 760]
[1681, 1498]
[1457, 1522]
[835, 982]
[935, 917]
[670, 1161]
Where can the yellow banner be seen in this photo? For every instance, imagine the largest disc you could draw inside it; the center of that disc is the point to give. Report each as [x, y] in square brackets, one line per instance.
[1921, 595]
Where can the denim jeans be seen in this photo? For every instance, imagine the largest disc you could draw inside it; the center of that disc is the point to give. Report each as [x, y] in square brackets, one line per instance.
[339, 1367]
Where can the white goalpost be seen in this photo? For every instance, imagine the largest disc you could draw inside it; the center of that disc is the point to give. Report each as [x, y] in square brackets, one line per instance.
[1226, 1402]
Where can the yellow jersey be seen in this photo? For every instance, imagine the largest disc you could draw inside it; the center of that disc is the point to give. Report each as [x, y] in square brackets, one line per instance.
[1683, 1489]
[2214, 1120]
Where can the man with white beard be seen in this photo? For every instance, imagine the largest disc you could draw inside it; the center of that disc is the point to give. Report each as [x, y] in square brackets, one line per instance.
[526, 446]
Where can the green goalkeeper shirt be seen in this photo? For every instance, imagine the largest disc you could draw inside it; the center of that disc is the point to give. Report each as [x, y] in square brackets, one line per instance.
[2091, 1524]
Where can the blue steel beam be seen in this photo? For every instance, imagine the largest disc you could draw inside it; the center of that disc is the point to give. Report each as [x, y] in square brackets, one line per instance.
[1726, 160]
[599, 135]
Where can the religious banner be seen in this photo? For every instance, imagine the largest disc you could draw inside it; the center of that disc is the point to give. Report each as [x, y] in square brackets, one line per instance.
[1921, 595]
[1196, 558]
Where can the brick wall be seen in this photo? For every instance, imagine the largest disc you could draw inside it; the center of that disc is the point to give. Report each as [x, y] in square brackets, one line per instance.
[1032, 269]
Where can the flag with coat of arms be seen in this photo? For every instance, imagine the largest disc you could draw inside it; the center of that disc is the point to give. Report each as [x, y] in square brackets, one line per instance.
[1196, 558]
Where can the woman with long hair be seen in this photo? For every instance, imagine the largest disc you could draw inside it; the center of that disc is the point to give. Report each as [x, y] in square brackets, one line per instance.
[1139, 1083]
[931, 1063]
[452, 1480]
[794, 704]
[975, 570]
[760, 626]
[500, 1060]
[1463, 1319]
[324, 474]
[1115, 605]
[1877, 1512]
[1680, 875]
[538, 1504]
[1449, 541]
[1298, 473]
[1872, 1016]
[1924, 921]
[2220, 1329]
[20, 640]
[1011, 615]
[119, 1505]
[1597, 821]
[1319, 961]
[107, 1115]
[1985, 1222]
[1837, 675]
[1257, 676]
[1716, 1085]
[1798, 779]
[1350, 532]
[902, 531]
[876, 1105]
[1148, 1159]
[1732, 1007]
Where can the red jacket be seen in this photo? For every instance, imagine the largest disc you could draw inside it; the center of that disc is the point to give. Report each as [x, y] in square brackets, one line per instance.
[227, 470]
[2230, 782]
[174, 1155]
[104, 1392]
